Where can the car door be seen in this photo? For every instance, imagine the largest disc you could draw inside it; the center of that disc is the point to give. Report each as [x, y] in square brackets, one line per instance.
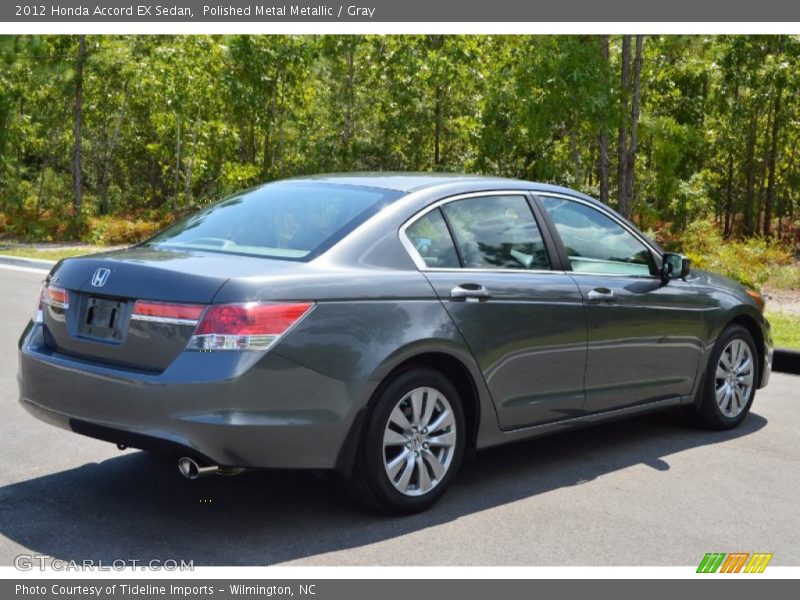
[490, 264]
[645, 337]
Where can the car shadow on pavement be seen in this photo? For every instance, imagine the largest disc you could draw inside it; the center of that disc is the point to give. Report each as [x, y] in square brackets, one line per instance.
[137, 507]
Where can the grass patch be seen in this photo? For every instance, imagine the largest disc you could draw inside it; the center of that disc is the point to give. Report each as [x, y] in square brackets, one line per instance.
[785, 330]
[50, 253]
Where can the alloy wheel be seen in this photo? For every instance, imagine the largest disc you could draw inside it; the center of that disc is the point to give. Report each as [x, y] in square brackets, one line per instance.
[419, 441]
[734, 378]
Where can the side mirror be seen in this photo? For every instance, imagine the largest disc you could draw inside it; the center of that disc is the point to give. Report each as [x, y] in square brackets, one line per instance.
[674, 266]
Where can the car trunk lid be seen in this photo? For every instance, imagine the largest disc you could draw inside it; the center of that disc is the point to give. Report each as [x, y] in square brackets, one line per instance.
[99, 323]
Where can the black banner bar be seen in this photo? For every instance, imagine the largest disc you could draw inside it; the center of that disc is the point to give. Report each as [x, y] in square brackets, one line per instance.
[405, 11]
[732, 588]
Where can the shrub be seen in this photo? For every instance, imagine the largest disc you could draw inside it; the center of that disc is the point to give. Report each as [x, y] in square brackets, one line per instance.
[113, 231]
[752, 262]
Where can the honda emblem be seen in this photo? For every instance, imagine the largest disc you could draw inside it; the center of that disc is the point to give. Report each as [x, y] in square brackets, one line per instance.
[100, 277]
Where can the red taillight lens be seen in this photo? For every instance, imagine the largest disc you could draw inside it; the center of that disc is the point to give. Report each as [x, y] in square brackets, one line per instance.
[251, 319]
[251, 326]
[145, 310]
[55, 296]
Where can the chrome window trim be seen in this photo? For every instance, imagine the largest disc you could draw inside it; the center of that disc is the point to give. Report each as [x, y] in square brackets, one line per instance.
[417, 258]
[476, 270]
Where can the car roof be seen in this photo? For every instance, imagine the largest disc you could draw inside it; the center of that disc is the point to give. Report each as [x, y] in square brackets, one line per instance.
[413, 182]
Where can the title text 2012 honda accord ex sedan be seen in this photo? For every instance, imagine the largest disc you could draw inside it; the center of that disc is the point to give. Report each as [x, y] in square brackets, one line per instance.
[379, 326]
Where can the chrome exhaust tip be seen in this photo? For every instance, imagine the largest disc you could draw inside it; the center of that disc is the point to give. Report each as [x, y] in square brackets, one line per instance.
[191, 469]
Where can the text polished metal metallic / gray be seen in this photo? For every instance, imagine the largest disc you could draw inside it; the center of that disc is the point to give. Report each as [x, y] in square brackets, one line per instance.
[382, 325]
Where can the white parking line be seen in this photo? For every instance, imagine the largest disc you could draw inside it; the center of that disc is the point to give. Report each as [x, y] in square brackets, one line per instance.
[25, 269]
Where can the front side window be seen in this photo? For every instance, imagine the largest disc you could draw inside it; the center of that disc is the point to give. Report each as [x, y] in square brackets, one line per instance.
[596, 243]
[286, 220]
[497, 232]
[432, 241]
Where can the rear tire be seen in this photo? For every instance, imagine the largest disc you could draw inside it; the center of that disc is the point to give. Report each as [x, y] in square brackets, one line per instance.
[730, 382]
[412, 446]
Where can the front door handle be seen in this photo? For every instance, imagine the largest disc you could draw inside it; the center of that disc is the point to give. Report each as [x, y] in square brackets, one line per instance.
[601, 294]
[470, 292]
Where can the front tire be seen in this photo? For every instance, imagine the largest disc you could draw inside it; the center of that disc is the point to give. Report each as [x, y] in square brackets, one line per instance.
[730, 382]
[413, 445]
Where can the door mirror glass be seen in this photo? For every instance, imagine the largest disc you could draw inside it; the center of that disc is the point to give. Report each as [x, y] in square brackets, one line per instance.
[674, 266]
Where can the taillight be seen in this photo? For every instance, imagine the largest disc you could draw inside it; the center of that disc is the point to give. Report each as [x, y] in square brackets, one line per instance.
[251, 326]
[55, 296]
[50, 295]
[166, 312]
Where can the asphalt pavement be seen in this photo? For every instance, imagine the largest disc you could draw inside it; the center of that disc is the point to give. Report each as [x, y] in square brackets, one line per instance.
[647, 491]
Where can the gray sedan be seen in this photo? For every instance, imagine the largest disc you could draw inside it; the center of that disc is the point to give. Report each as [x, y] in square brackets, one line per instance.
[382, 326]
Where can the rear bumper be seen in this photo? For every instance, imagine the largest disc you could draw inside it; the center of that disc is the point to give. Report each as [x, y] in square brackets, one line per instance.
[249, 410]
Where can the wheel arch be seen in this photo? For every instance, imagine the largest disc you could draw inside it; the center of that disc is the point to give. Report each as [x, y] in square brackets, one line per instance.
[741, 315]
[754, 329]
[453, 364]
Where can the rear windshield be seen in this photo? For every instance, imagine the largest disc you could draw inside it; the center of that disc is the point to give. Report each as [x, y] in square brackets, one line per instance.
[288, 220]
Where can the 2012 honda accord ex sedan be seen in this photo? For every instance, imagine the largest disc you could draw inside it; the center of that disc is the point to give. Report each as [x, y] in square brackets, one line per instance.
[380, 326]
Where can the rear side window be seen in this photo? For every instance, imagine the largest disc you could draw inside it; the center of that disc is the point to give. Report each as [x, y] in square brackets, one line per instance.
[287, 220]
[432, 241]
[497, 232]
[595, 242]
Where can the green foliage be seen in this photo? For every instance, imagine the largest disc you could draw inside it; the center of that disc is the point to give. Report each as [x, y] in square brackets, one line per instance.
[753, 262]
[174, 122]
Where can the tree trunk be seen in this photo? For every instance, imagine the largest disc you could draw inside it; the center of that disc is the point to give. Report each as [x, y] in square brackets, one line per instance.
[77, 130]
[192, 152]
[771, 159]
[622, 138]
[177, 163]
[105, 175]
[626, 200]
[266, 163]
[437, 134]
[751, 175]
[603, 160]
[347, 128]
[42, 178]
[731, 205]
[277, 146]
[729, 197]
[787, 199]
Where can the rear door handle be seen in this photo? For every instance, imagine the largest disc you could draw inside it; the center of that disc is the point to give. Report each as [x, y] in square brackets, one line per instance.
[601, 294]
[470, 292]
